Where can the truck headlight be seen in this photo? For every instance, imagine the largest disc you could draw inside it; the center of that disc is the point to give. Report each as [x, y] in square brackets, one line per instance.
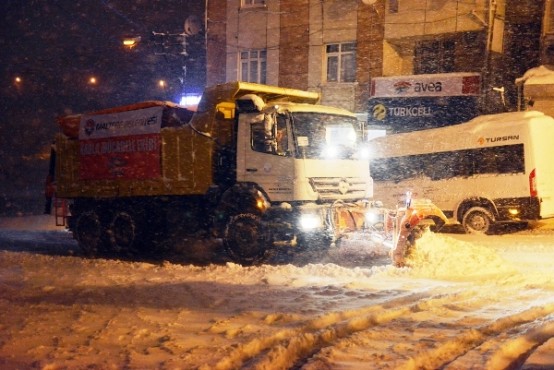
[310, 221]
[364, 153]
[374, 218]
[331, 152]
[371, 217]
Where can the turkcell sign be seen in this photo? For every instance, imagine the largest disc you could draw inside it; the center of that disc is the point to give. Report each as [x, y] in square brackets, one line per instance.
[123, 145]
[408, 103]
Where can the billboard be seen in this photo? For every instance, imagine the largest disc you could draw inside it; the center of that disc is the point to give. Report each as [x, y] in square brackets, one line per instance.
[123, 145]
[408, 103]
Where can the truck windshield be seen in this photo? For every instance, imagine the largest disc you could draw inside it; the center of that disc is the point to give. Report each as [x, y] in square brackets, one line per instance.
[319, 135]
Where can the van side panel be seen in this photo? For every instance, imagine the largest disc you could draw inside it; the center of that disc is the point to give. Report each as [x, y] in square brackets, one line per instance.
[542, 151]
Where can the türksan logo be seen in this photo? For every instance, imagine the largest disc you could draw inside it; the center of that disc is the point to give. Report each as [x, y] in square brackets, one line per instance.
[496, 139]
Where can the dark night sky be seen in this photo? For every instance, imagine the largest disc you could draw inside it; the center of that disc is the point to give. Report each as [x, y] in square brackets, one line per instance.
[55, 46]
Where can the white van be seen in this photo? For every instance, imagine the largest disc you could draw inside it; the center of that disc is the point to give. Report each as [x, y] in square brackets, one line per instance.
[495, 168]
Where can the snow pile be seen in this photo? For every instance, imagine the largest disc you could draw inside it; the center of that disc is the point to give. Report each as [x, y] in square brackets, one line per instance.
[442, 257]
[476, 259]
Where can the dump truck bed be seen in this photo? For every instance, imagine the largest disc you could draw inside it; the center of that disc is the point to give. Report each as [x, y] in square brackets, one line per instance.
[171, 160]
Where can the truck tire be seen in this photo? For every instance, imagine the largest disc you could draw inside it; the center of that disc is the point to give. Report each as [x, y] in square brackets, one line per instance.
[89, 233]
[123, 233]
[477, 220]
[244, 241]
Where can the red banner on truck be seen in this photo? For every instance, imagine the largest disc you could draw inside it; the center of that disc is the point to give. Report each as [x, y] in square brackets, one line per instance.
[124, 145]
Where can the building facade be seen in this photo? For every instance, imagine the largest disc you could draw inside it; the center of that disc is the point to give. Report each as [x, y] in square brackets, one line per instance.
[547, 35]
[336, 47]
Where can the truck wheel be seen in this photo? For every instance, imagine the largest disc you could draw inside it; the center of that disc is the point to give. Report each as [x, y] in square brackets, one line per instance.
[477, 220]
[88, 232]
[123, 232]
[244, 240]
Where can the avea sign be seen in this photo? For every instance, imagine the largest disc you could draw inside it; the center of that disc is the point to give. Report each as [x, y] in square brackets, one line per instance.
[416, 102]
[441, 84]
[431, 87]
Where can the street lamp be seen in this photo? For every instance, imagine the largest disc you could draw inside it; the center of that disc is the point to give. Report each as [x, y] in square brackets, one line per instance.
[131, 42]
[18, 83]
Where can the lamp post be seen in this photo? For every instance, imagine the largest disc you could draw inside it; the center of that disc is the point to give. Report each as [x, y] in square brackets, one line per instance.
[166, 45]
[174, 45]
[170, 45]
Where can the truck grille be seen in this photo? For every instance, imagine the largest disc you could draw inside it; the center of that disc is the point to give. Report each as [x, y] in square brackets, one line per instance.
[331, 188]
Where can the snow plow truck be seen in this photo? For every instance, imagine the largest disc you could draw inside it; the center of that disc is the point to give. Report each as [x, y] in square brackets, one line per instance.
[265, 169]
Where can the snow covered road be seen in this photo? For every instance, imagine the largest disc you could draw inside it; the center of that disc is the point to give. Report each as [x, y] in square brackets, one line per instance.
[467, 302]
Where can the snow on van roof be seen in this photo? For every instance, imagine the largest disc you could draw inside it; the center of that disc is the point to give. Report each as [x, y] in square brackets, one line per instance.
[505, 117]
[474, 125]
[541, 75]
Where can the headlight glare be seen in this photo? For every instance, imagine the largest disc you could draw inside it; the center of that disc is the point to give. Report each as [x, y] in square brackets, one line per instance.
[310, 221]
[371, 217]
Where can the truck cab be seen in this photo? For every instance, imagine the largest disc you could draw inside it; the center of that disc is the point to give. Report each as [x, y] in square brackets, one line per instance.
[296, 153]
[293, 159]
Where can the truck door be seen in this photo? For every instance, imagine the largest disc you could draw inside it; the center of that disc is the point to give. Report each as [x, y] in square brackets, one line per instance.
[265, 155]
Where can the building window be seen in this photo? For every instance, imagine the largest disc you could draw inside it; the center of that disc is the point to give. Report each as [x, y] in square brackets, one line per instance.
[393, 6]
[250, 3]
[341, 62]
[437, 56]
[253, 66]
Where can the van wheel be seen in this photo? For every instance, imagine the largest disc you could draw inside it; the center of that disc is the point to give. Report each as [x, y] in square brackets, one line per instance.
[244, 239]
[123, 233]
[88, 232]
[477, 220]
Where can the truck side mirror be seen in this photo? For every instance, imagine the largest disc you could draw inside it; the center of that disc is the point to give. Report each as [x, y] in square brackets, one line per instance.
[250, 103]
[225, 110]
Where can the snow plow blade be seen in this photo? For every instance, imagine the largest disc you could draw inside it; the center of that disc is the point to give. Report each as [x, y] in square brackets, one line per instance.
[395, 229]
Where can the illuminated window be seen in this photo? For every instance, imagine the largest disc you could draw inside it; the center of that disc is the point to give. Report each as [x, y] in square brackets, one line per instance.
[247, 3]
[253, 66]
[341, 62]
